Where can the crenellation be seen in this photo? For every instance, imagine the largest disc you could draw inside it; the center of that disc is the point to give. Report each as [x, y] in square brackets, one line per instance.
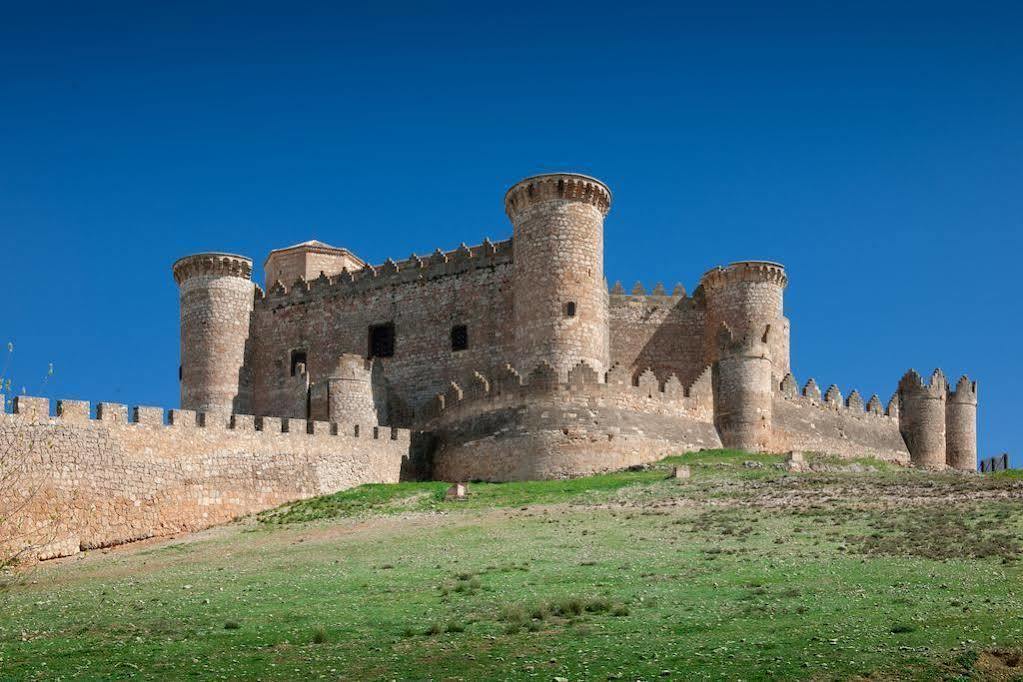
[147, 416]
[74, 411]
[115, 413]
[29, 407]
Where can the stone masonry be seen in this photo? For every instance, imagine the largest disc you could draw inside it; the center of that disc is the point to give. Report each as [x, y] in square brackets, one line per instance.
[507, 360]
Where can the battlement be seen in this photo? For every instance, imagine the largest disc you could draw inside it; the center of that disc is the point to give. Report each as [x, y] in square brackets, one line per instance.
[745, 271]
[79, 412]
[832, 400]
[480, 393]
[414, 269]
[964, 392]
[658, 295]
[913, 385]
[554, 186]
[211, 264]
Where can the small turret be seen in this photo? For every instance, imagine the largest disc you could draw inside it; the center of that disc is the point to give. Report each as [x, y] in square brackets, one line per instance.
[216, 301]
[747, 296]
[961, 426]
[347, 394]
[922, 418]
[743, 392]
[560, 298]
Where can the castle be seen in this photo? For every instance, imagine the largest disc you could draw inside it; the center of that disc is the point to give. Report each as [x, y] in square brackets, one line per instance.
[513, 360]
[505, 361]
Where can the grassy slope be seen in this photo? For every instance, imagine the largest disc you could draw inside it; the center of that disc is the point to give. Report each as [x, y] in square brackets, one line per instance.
[737, 573]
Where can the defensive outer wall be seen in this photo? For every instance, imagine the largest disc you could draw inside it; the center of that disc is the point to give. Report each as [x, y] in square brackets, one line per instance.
[91, 480]
[508, 360]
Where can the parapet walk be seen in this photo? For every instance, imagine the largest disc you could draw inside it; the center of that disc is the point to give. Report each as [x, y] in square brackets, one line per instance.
[95, 481]
[79, 412]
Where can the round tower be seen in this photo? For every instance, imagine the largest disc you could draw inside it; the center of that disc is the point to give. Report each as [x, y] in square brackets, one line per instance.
[922, 418]
[351, 391]
[961, 426]
[747, 296]
[743, 396]
[216, 299]
[560, 297]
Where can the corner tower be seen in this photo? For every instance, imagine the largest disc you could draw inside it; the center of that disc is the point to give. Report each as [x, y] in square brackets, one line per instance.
[216, 301]
[747, 296]
[922, 418]
[560, 298]
[961, 426]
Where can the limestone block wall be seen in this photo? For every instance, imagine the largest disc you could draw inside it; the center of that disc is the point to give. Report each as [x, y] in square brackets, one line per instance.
[508, 427]
[806, 420]
[658, 330]
[127, 475]
[424, 297]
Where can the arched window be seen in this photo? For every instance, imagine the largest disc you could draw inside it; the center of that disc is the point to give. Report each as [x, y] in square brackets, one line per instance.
[570, 309]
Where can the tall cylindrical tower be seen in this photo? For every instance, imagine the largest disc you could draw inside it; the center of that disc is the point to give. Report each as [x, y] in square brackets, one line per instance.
[747, 296]
[216, 300]
[922, 418]
[743, 396]
[561, 300]
[961, 426]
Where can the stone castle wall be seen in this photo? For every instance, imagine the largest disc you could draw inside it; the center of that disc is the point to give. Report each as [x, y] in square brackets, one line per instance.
[483, 427]
[809, 421]
[423, 297]
[92, 482]
[658, 331]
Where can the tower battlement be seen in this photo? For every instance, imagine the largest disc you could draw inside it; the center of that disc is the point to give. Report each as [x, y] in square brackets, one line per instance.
[211, 265]
[556, 186]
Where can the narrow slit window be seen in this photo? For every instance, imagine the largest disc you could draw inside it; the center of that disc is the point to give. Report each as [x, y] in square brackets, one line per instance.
[381, 340]
[459, 337]
[570, 309]
[298, 357]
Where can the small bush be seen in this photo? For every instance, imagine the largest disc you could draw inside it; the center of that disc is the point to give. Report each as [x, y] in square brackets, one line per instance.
[455, 626]
[619, 610]
[540, 612]
[434, 629]
[598, 605]
[900, 628]
[408, 632]
[513, 613]
[319, 636]
[232, 625]
[569, 607]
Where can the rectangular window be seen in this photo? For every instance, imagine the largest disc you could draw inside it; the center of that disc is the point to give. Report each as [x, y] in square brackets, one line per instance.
[298, 357]
[381, 340]
[459, 337]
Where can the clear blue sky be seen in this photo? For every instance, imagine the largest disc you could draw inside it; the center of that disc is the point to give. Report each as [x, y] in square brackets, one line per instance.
[877, 152]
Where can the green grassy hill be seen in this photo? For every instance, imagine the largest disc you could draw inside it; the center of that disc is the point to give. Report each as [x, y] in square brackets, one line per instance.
[744, 571]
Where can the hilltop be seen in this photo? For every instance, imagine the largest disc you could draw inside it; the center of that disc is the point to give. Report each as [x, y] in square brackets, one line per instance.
[743, 571]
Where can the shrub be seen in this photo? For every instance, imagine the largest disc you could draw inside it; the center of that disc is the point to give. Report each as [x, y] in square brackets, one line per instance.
[232, 625]
[319, 636]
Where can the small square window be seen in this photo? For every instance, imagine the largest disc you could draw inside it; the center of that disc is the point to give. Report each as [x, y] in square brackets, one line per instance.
[459, 337]
[570, 309]
[381, 340]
